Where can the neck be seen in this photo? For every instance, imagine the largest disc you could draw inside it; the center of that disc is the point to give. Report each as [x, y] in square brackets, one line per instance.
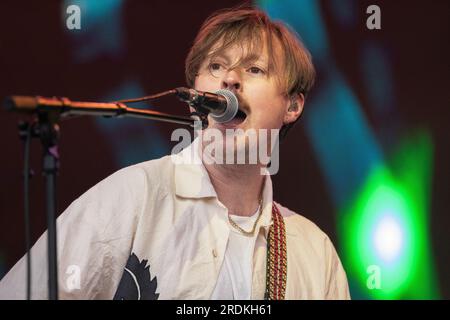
[238, 187]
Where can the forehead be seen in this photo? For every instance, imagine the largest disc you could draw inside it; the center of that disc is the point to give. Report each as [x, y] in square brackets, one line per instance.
[258, 47]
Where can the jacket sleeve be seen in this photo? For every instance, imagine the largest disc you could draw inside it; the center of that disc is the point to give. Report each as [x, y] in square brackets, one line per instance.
[94, 239]
[337, 285]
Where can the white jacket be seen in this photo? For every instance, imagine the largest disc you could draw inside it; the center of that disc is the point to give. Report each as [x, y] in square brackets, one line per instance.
[158, 230]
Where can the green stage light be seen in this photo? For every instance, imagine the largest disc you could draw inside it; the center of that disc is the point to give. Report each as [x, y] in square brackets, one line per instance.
[384, 230]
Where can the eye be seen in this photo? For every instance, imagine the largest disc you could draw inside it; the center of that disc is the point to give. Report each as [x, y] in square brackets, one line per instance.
[216, 69]
[256, 71]
[215, 66]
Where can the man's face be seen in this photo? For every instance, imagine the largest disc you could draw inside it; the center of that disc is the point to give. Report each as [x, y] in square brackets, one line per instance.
[263, 103]
[260, 96]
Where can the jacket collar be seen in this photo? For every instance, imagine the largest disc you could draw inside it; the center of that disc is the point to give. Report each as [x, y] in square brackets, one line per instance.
[193, 181]
[191, 178]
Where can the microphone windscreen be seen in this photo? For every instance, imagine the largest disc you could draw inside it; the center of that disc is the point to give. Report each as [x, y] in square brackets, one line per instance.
[232, 106]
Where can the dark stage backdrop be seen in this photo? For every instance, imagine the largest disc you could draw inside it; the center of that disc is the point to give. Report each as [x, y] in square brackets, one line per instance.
[367, 162]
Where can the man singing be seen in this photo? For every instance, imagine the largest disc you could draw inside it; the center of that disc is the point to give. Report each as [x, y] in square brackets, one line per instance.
[174, 229]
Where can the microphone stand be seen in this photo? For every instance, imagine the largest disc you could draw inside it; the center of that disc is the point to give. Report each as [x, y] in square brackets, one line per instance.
[49, 111]
[49, 133]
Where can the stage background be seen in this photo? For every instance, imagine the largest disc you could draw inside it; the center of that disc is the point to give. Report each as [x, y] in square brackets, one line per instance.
[368, 161]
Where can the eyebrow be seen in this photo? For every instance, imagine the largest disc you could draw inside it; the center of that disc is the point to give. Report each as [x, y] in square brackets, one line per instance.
[221, 56]
[250, 57]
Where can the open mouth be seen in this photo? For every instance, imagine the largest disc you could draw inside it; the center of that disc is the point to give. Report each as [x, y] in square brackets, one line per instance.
[239, 117]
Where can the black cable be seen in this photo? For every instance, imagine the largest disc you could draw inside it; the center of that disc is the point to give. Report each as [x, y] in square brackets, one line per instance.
[26, 178]
[146, 98]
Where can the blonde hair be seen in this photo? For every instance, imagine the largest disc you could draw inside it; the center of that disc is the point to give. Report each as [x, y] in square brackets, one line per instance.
[246, 26]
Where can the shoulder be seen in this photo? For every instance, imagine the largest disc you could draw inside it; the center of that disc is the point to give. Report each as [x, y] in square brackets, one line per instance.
[312, 256]
[299, 226]
[124, 193]
[314, 253]
[113, 206]
[305, 236]
[132, 181]
[157, 172]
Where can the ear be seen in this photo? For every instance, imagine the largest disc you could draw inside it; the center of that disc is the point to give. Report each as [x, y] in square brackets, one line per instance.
[294, 108]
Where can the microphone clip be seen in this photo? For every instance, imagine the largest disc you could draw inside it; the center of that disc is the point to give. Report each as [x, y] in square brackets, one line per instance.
[199, 117]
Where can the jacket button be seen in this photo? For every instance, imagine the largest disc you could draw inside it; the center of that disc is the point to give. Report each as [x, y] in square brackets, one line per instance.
[214, 253]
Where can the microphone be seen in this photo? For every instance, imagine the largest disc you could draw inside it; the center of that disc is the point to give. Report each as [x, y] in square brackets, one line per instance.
[222, 105]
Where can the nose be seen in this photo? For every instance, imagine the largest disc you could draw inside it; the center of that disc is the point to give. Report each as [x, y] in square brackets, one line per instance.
[231, 81]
